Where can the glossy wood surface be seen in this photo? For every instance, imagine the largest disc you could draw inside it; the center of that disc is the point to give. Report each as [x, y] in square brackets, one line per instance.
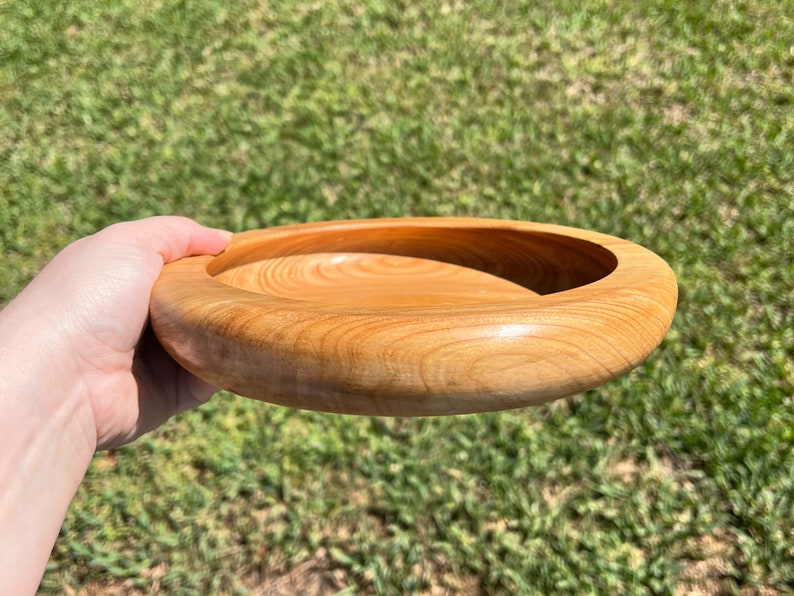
[414, 316]
[371, 279]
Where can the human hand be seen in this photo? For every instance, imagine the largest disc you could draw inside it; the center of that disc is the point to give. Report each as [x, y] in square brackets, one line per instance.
[94, 296]
[79, 372]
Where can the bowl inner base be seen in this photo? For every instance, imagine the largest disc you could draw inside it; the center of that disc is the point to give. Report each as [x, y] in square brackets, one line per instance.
[359, 278]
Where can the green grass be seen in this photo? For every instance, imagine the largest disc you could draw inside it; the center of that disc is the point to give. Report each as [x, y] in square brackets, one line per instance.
[667, 123]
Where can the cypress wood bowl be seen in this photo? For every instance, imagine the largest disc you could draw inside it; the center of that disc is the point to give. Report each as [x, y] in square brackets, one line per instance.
[414, 316]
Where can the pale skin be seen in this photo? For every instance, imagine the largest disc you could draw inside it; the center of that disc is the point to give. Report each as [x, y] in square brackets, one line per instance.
[80, 373]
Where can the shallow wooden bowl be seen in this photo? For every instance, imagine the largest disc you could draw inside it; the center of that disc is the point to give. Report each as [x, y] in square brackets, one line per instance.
[414, 316]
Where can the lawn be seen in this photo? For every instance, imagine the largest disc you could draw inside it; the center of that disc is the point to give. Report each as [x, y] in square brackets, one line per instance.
[667, 123]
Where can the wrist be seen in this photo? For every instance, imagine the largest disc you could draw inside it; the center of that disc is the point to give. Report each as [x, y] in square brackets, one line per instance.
[41, 382]
[47, 441]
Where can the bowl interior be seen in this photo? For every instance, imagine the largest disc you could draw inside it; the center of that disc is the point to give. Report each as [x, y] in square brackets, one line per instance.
[410, 265]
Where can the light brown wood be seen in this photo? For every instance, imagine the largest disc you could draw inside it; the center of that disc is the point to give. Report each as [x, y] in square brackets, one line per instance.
[414, 316]
[371, 279]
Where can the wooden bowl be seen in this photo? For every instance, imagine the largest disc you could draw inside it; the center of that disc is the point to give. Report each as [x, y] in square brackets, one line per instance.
[414, 316]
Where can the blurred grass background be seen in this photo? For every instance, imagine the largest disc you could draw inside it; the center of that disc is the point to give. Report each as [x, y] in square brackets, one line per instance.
[668, 123]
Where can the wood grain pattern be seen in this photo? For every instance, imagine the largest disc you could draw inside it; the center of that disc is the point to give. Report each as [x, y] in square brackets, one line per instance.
[414, 316]
[371, 279]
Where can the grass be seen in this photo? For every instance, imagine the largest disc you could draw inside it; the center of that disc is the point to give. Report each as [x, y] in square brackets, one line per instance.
[667, 123]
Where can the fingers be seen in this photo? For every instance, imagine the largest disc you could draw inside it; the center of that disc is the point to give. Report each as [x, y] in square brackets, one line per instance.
[196, 391]
[163, 390]
[172, 237]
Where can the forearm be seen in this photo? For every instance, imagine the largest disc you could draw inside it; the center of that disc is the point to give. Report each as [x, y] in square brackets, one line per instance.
[45, 444]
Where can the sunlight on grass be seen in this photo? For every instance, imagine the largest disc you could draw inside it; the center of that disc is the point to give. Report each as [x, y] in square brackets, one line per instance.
[669, 124]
